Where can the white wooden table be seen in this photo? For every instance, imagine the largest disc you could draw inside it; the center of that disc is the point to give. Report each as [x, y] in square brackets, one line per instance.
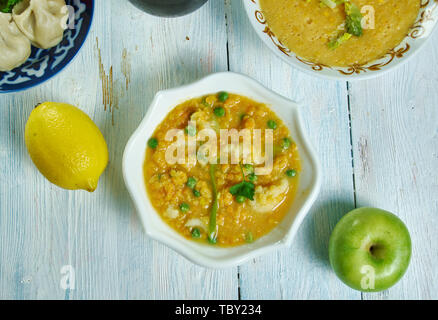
[377, 141]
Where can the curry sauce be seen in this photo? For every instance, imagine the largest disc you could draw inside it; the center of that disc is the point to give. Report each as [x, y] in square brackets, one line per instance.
[308, 27]
[184, 193]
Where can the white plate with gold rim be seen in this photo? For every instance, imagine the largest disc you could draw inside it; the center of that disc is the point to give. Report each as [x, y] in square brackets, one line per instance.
[419, 33]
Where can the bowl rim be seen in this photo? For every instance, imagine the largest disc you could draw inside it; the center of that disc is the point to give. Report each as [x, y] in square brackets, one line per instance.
[338, 76]
[179, 243]
[67, 64]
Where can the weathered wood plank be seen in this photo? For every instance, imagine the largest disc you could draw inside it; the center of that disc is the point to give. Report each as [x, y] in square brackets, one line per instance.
[395, 140]
[302, 272]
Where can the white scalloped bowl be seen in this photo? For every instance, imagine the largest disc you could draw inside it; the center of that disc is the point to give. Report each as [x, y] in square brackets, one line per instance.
[204, 254]
[418, 35]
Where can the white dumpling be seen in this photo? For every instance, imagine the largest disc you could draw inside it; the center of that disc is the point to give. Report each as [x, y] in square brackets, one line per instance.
[14, 46]
[42, 21]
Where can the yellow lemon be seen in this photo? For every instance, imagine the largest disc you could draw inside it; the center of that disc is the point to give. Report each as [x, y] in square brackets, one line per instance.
[66, 146]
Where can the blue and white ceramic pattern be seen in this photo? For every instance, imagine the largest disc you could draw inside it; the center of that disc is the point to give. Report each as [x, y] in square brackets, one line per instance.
[44, 64]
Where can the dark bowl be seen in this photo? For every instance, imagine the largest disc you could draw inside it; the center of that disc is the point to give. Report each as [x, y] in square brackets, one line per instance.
[168, 8]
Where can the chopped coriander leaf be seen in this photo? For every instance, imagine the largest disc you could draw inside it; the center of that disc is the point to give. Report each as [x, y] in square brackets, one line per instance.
[191, 182]
[196, 193]
[196, 233]
[291, 173]
[353, 21]
[336, 42]
[184, 207]
[219, 111]
[245, 189]
[190, 130]
[272, 124]
[240, 199]
[249, 237]
[223, 96]
[242, 116]
[252, 177]
[153, 143]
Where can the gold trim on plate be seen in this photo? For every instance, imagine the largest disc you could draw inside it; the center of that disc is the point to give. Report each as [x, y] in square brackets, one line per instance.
[417, 30]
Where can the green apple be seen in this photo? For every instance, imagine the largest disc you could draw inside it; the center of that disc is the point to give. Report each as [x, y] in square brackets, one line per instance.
[370, 249]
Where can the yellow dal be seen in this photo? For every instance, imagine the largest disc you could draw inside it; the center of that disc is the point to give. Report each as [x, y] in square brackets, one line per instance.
[306, 29]
[166, 184]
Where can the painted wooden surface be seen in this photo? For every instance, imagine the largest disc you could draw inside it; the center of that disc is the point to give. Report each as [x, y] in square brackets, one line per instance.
[377, 141]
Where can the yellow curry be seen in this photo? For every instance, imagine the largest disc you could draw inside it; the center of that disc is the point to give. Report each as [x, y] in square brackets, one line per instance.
[227, 203]
[340, 32]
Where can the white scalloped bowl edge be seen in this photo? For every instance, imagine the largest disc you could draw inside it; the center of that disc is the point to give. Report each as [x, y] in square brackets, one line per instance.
[428, 26]
[204, 254]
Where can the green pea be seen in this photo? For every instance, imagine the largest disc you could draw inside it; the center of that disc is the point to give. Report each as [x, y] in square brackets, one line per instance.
[272, 124]
[286, 143]
[184, 207]
[240, 199]
[196, 193]
[219, 111]
[196, 233]
[291, 173]
[191, 182]
[191, 131]
[249, 237]
[223, 96]
[153, 143]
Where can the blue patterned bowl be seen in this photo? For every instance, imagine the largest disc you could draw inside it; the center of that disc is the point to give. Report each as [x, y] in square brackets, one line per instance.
[44, 64]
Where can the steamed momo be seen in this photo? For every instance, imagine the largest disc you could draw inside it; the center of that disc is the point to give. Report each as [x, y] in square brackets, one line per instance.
[14, 46]
[42, 21]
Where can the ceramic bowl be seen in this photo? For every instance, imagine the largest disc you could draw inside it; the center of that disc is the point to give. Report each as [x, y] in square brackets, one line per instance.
[42, 64]
[204, 254]
[419, 33]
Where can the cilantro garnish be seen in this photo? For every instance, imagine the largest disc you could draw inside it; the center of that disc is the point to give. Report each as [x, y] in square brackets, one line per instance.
[336, 42]
[6, 6]
[353, 24]
[243, 189]
[353, 21]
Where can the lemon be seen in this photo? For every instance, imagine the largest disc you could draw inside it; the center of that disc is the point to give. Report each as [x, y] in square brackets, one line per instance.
[66, 146]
